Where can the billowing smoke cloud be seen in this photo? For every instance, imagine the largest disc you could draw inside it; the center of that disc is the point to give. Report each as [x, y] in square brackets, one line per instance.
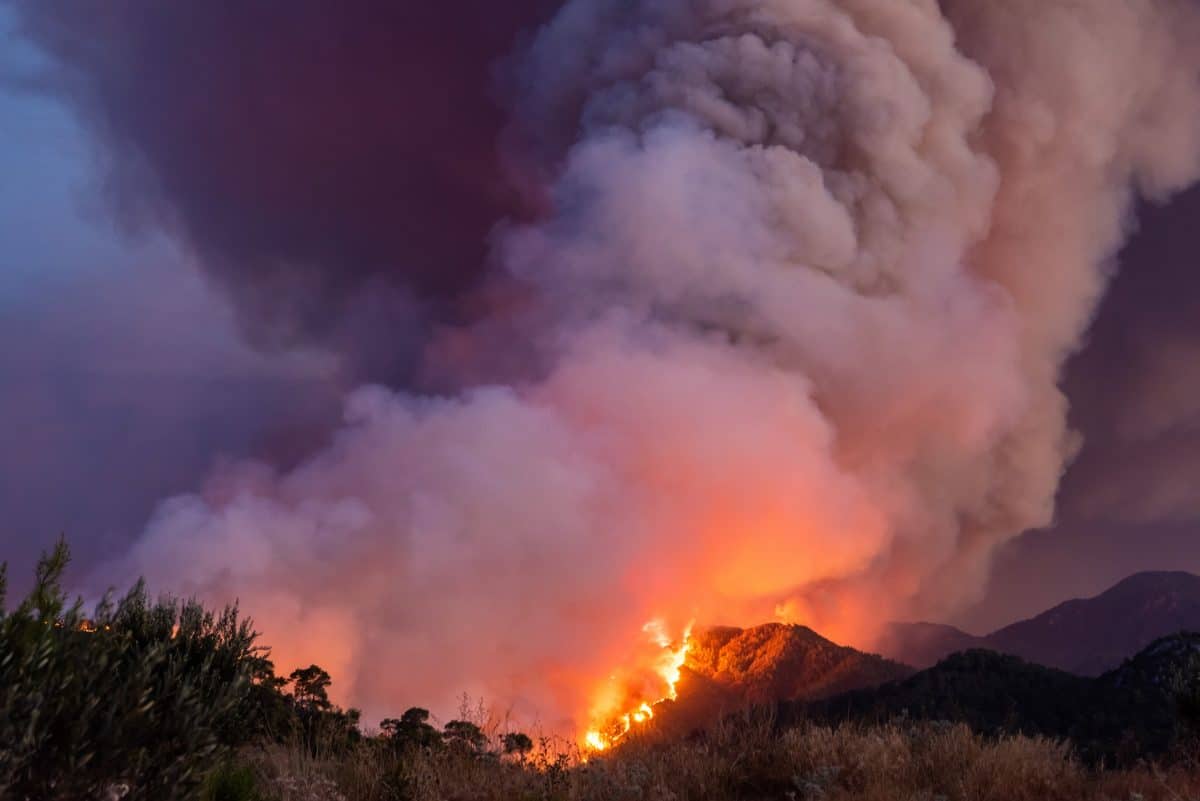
[807, 280]
[335, 190]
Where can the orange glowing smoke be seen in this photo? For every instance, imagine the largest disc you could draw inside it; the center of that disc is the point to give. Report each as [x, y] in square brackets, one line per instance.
[628, 700]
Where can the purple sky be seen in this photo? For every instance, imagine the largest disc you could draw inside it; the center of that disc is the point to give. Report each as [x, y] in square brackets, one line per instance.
[1129, 502]
[207, 234]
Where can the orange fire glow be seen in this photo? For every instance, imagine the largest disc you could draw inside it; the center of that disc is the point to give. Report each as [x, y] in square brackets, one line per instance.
[627, 701]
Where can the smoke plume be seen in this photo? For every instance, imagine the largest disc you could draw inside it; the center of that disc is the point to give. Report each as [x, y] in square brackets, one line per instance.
[334, 167]
[806, 278]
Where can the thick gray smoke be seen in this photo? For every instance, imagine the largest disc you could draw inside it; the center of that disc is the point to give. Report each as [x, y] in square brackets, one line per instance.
[810, 274]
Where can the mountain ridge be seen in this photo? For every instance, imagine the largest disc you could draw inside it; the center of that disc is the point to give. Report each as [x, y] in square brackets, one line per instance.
[1127, 711]
[1085, 636]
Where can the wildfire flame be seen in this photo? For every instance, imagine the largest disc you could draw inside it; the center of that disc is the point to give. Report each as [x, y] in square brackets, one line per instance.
[607, 729]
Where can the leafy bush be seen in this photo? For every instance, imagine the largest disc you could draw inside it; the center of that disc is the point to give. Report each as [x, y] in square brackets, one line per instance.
[465, 735]
[140, 694]
[233, 781]
[517, 743]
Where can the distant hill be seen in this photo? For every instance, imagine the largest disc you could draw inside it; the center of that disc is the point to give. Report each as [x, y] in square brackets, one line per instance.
[1085, 636]
[1138, 709]
[925, 644]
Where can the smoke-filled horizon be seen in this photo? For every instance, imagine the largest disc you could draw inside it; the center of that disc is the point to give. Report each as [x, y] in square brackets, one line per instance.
[773, 328]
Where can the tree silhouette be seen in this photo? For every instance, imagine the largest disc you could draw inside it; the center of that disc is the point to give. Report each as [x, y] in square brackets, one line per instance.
[412, 729]
[466, 734]
[310, 688]
[517, 743]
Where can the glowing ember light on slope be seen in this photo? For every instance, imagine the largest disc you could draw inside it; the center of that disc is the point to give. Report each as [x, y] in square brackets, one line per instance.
[623, 705]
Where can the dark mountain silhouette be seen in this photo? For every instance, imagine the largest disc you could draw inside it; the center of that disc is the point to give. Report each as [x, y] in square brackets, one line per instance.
[991, 692]
[1145, 707]
[1085, 636]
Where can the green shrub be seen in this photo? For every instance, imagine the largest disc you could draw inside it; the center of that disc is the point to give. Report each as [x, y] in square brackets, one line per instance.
[141, 694]
[233, 781]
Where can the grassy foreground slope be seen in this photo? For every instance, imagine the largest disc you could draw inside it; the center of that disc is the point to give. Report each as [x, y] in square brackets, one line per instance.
[738, 761]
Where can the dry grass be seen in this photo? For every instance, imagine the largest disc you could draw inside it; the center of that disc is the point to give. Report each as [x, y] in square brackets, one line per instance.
[747, 761]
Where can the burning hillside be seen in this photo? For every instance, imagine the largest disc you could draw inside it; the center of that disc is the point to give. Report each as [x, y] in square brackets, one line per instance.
[777, 662]
[722, 669]
[628, 699]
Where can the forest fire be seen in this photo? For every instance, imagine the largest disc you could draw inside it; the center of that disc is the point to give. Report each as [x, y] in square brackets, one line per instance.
[795, 283]
[627, 701]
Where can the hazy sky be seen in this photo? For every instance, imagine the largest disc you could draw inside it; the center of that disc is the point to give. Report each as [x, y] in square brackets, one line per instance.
[1130, 500]
[122, 378]
[131, 362]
